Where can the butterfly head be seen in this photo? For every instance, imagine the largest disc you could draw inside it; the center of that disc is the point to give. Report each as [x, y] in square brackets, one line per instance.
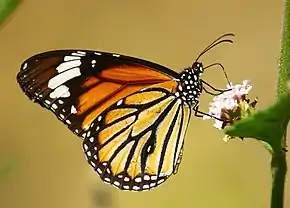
[197, 68]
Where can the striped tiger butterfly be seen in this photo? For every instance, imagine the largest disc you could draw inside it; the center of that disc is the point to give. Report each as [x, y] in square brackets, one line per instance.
[131, 113]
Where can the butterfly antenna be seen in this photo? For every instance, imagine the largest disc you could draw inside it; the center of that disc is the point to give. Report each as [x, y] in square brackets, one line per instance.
[220, 65]
[215, 43]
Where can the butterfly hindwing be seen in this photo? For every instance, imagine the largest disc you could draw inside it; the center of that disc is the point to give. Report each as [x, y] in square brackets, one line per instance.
[136, 143]
[77, 85]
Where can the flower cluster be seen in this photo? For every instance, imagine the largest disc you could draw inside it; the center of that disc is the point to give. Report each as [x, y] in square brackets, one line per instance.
[231, 105]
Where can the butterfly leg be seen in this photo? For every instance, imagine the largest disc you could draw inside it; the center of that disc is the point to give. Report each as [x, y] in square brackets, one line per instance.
[213, 88]
[211, 93]
[198, 113]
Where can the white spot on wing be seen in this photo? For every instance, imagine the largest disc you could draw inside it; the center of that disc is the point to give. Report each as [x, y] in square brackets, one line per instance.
[71, 58]
[117, 183]
[160, 181]
[82, 52]
[138, 180]
[79, 53]
[116, 55]
[54, 106]
[146, 186]
[68, 65]
[86, 147]
[61, 91]
[25, 66]
[99, 170]
[93, 164]
[63, 77]
[60, 102]
[119, 102]
[73, 110]
[98, 53]
[94, 63]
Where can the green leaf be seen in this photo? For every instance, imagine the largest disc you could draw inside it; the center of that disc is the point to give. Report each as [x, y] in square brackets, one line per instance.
[268, 125]
[6, 7]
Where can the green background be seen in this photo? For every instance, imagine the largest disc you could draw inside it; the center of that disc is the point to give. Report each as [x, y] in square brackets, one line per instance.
[41, 161]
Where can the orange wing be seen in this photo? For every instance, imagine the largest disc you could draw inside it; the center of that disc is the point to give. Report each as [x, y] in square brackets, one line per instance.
[77, 86]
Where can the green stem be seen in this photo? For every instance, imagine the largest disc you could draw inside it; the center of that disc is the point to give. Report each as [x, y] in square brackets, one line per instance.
[279, 164]
[278, 167]
[284, 63]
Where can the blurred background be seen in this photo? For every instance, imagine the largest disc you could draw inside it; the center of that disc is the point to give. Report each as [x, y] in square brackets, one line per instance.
[41, 161]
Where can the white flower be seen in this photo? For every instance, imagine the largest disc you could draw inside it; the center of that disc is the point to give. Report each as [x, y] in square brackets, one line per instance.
[229, 106]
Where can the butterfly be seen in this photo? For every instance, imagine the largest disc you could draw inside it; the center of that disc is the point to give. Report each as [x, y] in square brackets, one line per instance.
[132, 114]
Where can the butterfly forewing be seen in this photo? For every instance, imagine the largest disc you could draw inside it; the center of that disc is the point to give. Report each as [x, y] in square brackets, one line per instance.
[79, 85]
[135, 144]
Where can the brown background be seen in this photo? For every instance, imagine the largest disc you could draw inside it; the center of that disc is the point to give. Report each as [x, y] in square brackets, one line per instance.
[45, 164]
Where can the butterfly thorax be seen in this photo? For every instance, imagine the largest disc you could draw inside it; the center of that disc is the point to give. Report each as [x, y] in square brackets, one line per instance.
[190, 84]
